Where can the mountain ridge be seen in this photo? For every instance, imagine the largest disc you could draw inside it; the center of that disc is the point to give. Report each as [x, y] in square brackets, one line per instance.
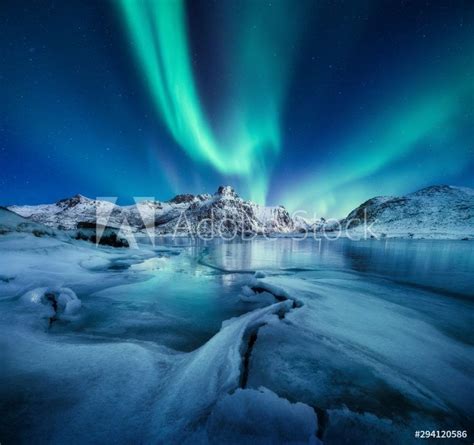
[225, 208]
[432, 212]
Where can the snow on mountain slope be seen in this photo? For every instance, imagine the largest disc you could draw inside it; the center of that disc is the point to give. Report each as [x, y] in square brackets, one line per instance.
[224, 212]
[11, 222]
[64, 214]
[227, 214]
[439, 211]
[434, 212]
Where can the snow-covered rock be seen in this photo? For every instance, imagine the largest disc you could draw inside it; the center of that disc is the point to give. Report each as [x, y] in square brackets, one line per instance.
[439, 211]
[64, 214]
[302, 224]
[224, 213]
[11, 222]
[53, 303]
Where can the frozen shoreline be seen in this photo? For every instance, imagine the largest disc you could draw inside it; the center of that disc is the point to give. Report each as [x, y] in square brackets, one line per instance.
[166, 347]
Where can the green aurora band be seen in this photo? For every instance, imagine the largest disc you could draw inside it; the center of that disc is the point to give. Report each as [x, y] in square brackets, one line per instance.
[336, 186]
[429, 119]
[243, 140]
[246, 138]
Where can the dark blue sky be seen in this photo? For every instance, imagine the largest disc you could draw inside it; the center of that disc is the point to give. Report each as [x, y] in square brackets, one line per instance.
[354, 99]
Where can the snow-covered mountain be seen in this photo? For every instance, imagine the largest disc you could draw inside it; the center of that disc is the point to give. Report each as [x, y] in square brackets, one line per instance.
[439, 211]
[64, 214]
[11, 222]
[224, 212]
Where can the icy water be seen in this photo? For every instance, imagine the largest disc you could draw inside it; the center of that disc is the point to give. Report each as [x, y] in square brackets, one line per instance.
[377, 343]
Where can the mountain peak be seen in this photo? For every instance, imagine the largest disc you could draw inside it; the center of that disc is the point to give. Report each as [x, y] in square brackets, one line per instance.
[432, 189]
[73, 201]
[227, 191]
[185, 197]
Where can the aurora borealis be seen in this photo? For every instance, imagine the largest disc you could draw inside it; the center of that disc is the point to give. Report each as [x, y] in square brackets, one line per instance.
[249, 120]
[314, 105]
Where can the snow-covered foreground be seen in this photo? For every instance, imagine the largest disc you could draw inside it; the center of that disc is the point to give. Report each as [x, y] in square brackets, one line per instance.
[268, 341]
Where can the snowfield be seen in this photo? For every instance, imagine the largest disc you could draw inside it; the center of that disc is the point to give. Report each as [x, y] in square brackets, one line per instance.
[266, 341]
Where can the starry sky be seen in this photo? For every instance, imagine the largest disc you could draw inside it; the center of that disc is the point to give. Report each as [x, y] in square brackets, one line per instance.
[316, 105]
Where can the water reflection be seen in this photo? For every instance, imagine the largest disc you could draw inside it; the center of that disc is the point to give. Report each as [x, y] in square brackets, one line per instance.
[444, 266]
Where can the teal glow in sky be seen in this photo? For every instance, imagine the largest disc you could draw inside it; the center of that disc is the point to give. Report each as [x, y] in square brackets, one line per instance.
[259, 59]
[318, 106]
[423, 130]
[434, 127]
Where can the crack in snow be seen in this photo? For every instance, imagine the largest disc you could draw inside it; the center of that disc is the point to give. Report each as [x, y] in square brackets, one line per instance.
[322, 416]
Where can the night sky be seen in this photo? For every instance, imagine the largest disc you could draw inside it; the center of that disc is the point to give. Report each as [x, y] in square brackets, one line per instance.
[316, 105]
